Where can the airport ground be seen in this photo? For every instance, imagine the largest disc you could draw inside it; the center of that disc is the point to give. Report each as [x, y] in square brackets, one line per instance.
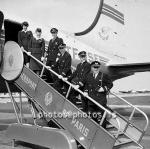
[6, 114]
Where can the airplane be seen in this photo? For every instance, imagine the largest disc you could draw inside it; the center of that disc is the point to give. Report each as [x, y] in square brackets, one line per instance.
[109, 21]
[75, 43]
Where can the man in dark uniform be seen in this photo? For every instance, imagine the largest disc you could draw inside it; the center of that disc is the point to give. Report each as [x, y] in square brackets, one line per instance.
[24, 37]
[53, 50]
[63, 63]
[97, 85]
[83, 68]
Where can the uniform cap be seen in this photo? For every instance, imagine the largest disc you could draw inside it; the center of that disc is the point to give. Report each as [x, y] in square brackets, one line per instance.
[95, 64]
[82, 54]
[38, 30]
[54, 30]
[25, 24]
[62, 46]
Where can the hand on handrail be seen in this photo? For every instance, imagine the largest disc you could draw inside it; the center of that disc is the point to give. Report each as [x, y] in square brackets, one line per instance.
[48, 67]
[76, 86]
[29, 53]
[60, 77]
[22, 48]
[64, 79]
[85, 94]
[42, 58]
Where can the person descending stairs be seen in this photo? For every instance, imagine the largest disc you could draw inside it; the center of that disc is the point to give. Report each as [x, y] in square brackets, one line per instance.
[75, 128]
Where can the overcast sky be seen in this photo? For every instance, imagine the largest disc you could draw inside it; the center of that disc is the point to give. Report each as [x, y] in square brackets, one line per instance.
[70, 15]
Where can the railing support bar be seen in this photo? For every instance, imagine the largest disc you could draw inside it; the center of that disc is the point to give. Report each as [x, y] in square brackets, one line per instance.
[12, 99]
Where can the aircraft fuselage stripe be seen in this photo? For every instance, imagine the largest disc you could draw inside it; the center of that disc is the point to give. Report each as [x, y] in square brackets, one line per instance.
[113, 13]
[113, 10]
[113, 17]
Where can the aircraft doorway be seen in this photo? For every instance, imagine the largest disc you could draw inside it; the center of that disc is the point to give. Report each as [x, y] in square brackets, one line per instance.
[11, 30]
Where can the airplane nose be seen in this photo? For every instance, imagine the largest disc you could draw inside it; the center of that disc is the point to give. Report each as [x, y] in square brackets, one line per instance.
[12, 61]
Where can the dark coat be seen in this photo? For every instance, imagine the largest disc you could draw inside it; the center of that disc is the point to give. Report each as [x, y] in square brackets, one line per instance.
[37, 49]
[53, 49]
[92, 86]
[24, 38]
[80, 73]
[64, 64]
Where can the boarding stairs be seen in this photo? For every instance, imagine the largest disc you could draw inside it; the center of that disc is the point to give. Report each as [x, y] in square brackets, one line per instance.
[121, 132]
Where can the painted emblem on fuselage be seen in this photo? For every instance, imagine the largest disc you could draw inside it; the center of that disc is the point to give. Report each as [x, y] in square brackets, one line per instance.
[10, 60]
[104, 33]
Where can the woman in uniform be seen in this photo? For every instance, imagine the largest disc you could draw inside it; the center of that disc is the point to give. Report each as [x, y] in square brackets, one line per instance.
[37, 49]
[24, 37]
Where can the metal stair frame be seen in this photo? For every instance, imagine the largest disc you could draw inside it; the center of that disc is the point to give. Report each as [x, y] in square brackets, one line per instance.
[34, 94]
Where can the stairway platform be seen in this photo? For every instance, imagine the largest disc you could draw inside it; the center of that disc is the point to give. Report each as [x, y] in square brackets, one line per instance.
[41, 136]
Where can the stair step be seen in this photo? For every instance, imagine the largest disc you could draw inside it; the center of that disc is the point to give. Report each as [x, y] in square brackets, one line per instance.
[10, 147]
[110, 127]
[50, 83]
[123, 141]
[115, 133]
[81, 108]
[43, 75]
[129, 147]
[78, 102]
[41, 136]
[44, 79]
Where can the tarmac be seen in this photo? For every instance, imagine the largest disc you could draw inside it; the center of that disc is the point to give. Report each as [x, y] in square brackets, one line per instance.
[7, 116]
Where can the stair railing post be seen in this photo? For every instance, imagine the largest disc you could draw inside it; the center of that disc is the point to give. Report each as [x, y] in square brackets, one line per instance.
[12, 100]
[21, 115]
[68, 91]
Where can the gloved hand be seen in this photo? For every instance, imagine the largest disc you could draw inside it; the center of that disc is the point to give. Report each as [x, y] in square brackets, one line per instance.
[64, 79]
[76, 86]
[100, 89]
[85, 93]
[60, 76]
[81, 84]
[42, 58]
[57, 59]
[48, 67]
[22, 48]
[29, 53]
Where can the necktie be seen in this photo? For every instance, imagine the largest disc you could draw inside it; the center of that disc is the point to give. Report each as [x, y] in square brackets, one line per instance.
[94, 75]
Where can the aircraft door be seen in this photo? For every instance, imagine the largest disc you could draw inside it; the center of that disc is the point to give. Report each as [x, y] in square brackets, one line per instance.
[1, 41]
[1, 21]
[11, 30]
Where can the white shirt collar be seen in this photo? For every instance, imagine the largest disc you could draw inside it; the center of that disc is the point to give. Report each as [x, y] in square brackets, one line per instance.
[25, 31]
[37, 37]
[95, 74]
[83, 62]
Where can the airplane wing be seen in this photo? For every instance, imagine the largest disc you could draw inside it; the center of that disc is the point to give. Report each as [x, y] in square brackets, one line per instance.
[118, 71]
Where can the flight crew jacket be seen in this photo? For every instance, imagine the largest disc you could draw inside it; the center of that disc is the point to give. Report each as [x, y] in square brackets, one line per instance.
[53, 49]
[80, 73]
[93, 85]
[24, 39]
[63, 62]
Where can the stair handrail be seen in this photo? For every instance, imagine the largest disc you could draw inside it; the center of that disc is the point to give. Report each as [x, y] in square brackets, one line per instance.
[146, 117]
[73, 86]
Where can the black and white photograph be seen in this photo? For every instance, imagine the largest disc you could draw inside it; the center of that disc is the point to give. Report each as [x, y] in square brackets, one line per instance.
[74, 74]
